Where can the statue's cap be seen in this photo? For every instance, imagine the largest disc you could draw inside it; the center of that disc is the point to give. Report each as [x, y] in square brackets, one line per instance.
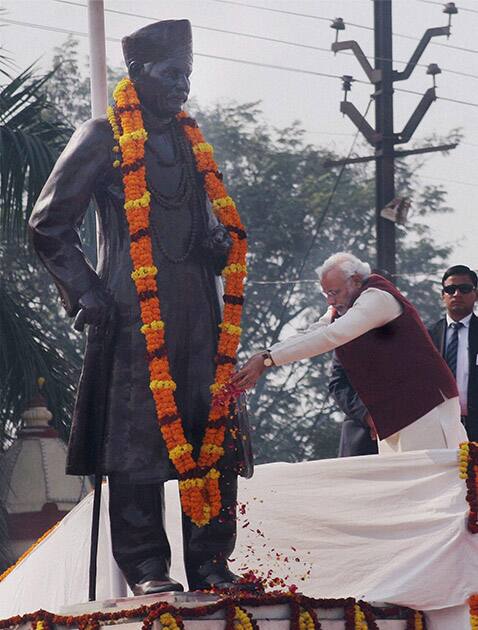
[158, 41]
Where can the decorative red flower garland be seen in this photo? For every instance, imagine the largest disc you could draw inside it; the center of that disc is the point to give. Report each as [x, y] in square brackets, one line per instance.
[468, 456]
[358, 615]
[199, 480]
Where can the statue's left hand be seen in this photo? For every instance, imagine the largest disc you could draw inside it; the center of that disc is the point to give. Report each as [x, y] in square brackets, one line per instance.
[250, 373]
[216, 246]
[97, 307]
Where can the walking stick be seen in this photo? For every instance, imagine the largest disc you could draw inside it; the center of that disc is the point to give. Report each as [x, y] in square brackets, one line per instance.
[95, 528]
[107, 334]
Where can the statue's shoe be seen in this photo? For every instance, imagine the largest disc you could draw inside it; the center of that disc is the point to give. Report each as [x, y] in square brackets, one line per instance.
[224, 580]
[165, 585]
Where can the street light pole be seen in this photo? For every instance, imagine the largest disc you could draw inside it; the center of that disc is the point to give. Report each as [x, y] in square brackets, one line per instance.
[383, 138]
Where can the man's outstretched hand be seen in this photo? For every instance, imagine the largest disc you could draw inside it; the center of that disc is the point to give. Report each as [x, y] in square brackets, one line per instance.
[250, 373]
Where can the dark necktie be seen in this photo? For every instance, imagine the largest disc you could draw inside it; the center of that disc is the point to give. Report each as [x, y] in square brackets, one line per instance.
[452, 346]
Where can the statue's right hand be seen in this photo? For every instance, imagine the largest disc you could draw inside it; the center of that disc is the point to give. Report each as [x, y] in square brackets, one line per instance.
[96, 308]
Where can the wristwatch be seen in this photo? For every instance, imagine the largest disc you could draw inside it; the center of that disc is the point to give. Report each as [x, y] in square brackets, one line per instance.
[267, 359]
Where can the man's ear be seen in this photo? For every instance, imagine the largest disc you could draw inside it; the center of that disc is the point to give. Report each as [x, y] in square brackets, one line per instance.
[135, 69]
[357, 279]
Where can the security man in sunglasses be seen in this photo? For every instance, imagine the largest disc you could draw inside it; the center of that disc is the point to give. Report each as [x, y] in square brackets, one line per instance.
[456, 337]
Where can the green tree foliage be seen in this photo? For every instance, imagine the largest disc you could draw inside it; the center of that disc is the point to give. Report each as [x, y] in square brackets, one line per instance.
[282, 190]
[30, 141]
[37, 116]
[33, 339]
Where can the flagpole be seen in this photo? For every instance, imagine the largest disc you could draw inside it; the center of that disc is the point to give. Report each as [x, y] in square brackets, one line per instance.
[98, 82]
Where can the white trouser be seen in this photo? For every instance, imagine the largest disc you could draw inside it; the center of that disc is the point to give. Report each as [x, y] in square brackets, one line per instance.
[439, 428]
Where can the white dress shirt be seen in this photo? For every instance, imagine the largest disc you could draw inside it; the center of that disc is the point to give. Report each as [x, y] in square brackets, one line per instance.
[462, 359]
[373, 308]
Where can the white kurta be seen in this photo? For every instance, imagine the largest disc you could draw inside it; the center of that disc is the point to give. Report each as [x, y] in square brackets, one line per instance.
[439, 428]
[373, 308]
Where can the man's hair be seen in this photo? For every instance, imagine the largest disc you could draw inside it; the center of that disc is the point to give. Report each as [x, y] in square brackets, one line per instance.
[348, 263]
[460, 270]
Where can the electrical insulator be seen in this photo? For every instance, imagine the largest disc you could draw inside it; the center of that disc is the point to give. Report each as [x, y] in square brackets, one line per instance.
[450, 9]
[347, 81]
[433, 69]
[339, 25]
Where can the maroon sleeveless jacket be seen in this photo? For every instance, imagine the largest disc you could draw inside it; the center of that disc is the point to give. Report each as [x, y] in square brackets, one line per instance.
[396, 370]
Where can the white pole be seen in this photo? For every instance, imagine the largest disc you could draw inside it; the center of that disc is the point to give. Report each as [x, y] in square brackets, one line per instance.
[98, 82]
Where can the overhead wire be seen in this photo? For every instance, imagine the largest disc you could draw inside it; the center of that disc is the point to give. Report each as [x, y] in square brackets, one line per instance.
[222, 58]
[289, 69]
[460, 8]
[317, 17]
[285, 12]
[197, 54]
[449, 181]
[265, 38]
[440, 98]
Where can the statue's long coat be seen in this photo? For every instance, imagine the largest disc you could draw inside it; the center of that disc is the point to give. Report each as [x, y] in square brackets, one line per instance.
[114, 403]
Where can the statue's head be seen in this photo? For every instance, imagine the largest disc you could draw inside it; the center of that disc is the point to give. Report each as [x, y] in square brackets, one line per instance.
[159, 59]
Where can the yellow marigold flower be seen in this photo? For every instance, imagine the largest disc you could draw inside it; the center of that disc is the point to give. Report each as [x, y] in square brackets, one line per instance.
[155, 384]
[121, 85]
[168, 621]
[215, 388]
[179, 450]
[230, 328]
[234, 268]
[131, 136]
[186, 484]
[213, 474]
[141, 202]
[222, 202]
[212, 448]
[156, 324]
[143, 272]
[203, 147]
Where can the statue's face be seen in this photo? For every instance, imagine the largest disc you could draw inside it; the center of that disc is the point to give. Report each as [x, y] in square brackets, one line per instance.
[163, 86]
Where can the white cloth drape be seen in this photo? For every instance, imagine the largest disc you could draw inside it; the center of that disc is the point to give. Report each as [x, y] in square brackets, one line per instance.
[384, 529]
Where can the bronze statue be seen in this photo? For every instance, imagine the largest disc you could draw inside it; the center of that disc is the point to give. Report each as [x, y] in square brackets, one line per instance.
[115, 430]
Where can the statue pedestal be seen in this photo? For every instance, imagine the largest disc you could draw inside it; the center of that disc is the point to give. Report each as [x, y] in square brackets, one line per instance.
[269, 616]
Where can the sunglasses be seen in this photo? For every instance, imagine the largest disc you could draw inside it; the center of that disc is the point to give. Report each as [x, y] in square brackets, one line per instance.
[451, 289]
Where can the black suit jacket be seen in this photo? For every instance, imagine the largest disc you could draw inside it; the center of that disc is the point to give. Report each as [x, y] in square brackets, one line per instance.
[437, 333]
[355, 435]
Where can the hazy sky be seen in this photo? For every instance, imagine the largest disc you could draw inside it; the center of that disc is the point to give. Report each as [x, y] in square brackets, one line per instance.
[287, 96]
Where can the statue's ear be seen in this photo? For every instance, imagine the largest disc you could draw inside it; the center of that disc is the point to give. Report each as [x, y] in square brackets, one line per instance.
[135, 69]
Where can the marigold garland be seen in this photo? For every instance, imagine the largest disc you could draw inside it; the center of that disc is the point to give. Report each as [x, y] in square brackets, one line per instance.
[468, 463]
[302, 609]
[198, 480]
